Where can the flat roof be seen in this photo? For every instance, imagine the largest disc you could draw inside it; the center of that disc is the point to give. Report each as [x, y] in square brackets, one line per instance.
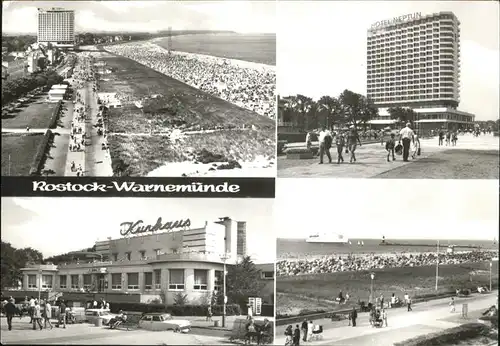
[57, 91]
[59, 86]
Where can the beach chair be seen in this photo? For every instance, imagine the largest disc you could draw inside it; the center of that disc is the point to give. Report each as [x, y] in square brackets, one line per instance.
[317, 333]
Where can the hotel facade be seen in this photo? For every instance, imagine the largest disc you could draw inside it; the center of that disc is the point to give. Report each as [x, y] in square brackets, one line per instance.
[149, 266]
[57, 27]
[413, 61]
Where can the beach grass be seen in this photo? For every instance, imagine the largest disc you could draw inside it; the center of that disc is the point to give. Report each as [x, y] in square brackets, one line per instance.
[317, 291]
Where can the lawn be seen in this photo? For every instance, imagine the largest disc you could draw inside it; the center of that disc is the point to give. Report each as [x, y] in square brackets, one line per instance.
[22, 149]
[450, 164]
[35, 115]
[178, 107]
[312, 292]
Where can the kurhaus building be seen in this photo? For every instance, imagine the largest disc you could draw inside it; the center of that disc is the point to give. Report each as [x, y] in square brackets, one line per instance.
[57, 27]
[413, 61]
[148, 263]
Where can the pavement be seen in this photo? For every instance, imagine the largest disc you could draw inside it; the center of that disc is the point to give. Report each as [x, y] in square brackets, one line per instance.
[372, 159]
[202, 333]
[426, 317]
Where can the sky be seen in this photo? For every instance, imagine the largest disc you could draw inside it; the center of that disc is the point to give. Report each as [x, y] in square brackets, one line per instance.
[419, 209]
[148, 15]
[59, 225]
[321, 47]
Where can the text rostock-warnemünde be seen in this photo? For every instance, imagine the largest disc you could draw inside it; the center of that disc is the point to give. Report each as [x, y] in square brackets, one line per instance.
[43, 186]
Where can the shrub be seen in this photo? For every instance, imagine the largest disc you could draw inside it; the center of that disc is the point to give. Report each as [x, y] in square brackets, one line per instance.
[176, 310]
[55, 116]
[41, 153]
[446, 337]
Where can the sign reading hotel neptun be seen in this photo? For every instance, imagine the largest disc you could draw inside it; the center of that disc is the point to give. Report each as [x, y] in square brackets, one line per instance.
[396, 20]
[139, 227]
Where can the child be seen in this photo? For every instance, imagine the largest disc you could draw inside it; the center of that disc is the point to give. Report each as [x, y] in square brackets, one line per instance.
[389, 146]
[340, 142]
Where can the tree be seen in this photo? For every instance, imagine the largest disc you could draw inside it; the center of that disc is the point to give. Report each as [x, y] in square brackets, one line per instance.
[243, 281]
[402, 115]
[42, 63]
[332, 108]
[352, 105]
[12, 260]
[302, 106]
[368, 110]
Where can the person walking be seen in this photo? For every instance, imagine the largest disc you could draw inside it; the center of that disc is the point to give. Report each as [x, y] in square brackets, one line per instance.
[352, 142]
[31, 308]
[325, 143]
[62, 314]
[304, 330]
[10, 310]
[209, 313]
[389, 146]
[340, 143]
[406, 136]
[47, 315]
[354, 316]
[296, 336]
[441, 137]
[452, 305]
[310, 328]
[409, 304]
[37, 317]
[384, 317]
[416, 145]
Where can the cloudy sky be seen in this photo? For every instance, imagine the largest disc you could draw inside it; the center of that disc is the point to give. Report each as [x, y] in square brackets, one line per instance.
[419, 209]
[321, 47]
[59, 225]
[147, 15]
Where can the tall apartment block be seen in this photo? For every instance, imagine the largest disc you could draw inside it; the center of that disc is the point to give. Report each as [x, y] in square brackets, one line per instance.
[414, 61]
[56, 26]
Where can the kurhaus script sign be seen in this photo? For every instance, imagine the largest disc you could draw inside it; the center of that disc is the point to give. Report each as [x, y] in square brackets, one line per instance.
[396, 20]
[139, 227]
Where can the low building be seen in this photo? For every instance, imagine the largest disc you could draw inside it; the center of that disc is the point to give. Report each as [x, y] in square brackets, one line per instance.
[145, 265]
[109, 100]
[14, 67]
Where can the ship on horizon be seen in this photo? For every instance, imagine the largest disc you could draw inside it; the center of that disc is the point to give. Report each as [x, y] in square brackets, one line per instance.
[327, 237]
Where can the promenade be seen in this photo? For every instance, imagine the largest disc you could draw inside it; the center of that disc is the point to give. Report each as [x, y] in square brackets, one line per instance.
[426, 317]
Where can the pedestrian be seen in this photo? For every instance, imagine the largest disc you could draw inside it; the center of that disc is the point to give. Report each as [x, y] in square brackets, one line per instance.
[416, 145]
[47, 315]
[31, 308]
[441, 137]
[310, 327]
[62, 314]
[381, 301]
[288, 335]
[352, 142]
[406, 136]
[325, 143]
[296, 336]
[10, 310]
[409, 304]
[452, 305]
[384, 317]
[37, 316]
[340, 143]
[389, 146]
[304, 330]
[209, 313]
[354, 316]
[308, 140]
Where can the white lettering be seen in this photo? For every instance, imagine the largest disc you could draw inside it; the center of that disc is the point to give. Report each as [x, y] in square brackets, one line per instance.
[42, 186]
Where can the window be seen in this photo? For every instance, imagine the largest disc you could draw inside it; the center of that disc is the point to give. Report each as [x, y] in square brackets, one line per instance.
[200, 279]
[267, 275]
[143, 254]
[63, 281]
[116, 281]
[74, 281]
[157, 252]
[157, 279]
[46, 281]
[87, 281]
[176, 279]
[148, 281]
[133, 281]
[115, 257]
[219, 281]
[31, 281]
[127, 254]
[156, 318]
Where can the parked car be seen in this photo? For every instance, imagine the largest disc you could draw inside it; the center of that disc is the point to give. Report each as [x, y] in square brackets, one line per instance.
[162, 321]
[91, 315]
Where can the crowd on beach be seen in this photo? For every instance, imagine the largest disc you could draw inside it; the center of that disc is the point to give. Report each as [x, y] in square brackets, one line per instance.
[250, 86]
[351, 262]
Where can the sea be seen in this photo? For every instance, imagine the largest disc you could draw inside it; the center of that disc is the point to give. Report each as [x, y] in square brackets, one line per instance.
[258, 48]
[300, 249]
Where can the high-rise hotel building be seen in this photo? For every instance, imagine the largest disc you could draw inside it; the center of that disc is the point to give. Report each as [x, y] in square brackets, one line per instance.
[56, 26]
[414, 61]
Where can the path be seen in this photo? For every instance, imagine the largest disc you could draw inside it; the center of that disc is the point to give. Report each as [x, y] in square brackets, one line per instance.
[371, 159]
[426, 317]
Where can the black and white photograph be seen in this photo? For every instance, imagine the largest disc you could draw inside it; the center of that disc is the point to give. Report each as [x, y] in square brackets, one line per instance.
[398, 266]
[388, 89]
[139, 88]
[153, 271]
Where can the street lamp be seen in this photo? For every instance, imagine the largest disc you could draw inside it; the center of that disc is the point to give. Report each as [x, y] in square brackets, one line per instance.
[491, 265]
[40, 285]
[224, 258]
[372, 276]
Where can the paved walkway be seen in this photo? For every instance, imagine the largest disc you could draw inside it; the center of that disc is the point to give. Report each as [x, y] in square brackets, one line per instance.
[372, 159]
[426, 317]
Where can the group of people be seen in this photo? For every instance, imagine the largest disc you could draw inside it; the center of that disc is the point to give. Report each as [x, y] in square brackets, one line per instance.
[347, 141]
[248, 87]
[257, 332]
[39, 311]
[361, 262]
[451, 137]
[304, 333]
